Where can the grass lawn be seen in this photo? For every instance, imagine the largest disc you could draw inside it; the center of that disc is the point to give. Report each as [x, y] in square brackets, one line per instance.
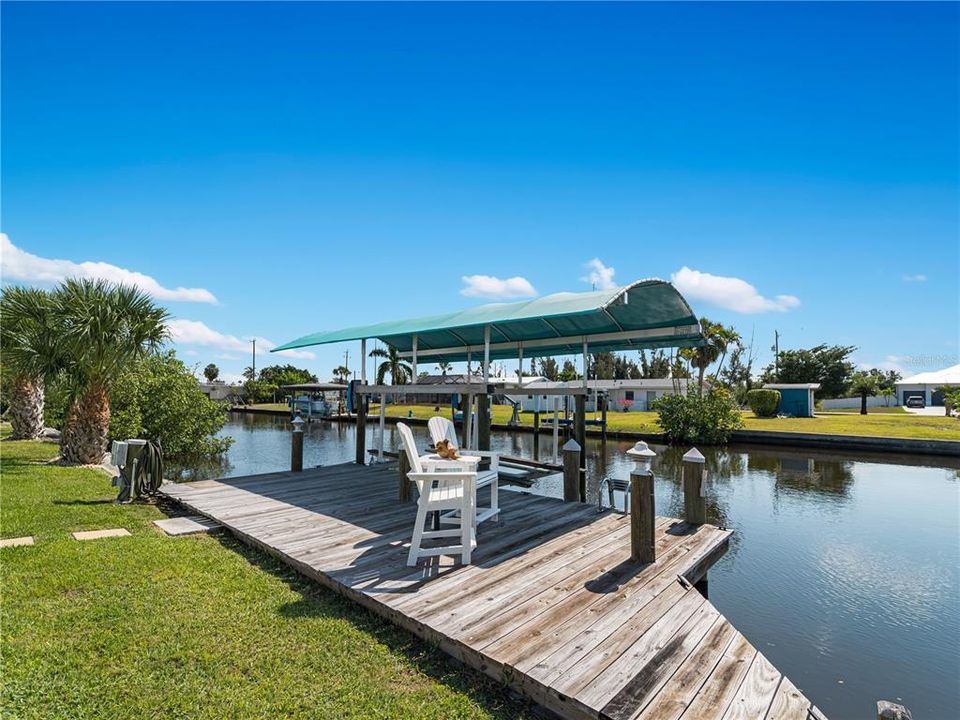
[192, 627]
[875, 424]
[892, 410]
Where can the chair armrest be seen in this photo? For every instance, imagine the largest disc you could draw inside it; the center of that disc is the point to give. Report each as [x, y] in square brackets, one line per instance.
[494, 457]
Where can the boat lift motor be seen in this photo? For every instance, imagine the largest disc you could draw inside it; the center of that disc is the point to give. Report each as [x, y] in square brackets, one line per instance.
[141, 468]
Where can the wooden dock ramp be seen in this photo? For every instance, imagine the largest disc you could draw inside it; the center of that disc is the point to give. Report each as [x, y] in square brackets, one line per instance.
[551, 605]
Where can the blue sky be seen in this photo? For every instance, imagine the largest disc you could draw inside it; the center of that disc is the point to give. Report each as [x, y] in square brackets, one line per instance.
[300, 167]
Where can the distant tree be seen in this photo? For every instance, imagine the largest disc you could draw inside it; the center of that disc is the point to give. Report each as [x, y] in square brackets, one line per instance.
[864, 384]
[341, 374]
[657, 367]
[828, 365]
[679, 369]
[444, 367]
[393, 365]
[569, 372]
[717, 339]
[625, 368]
[249, 373]
[887, 393]
[738, 374]
[280, 375]
[602, 366]
[211, 372]
[549, 369]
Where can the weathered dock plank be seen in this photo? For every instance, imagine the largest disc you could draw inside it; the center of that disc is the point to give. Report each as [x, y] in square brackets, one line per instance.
[552, 603]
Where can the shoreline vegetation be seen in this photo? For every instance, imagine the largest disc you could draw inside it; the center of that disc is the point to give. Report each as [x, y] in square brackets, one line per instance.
[155, 626]
[887, 423]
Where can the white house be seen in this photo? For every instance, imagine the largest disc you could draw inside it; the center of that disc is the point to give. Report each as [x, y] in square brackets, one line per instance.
[630, 395]
[926, 384]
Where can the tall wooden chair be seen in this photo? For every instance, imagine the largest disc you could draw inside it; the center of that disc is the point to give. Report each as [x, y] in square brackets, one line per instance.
[442, 428]
[440, 491]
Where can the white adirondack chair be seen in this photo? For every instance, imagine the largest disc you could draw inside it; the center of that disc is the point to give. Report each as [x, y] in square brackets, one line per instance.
[442, 428]
[440, 490]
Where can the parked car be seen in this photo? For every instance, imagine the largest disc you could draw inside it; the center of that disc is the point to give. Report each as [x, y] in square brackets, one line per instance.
[916, 401]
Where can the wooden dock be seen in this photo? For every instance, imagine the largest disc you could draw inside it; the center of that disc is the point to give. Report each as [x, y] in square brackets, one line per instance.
[552, 604]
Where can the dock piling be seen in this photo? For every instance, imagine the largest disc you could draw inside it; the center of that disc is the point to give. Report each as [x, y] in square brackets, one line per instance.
[642, 520]
[536, 435]
[694, 496]
[361, 409]
[296, 444]
[571, 471]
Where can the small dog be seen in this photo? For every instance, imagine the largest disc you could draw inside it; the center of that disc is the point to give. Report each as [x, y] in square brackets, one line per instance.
[446, 450]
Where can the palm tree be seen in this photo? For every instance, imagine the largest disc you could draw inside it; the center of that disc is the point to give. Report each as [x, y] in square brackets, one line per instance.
[341, 373]
[106, 327]
[705, 355]
[443, 366]
[724, 338]
[399, 371]
[31, 355]
[863, 384]
[211, 372]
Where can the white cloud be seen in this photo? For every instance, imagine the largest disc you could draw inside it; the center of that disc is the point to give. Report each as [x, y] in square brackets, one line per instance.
[919, 277]
[194, 332]
[600, 276]
[728, 292]
[487, 286]
[20, 265]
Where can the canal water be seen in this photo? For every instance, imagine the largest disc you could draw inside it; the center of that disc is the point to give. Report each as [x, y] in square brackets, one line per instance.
[844, 569]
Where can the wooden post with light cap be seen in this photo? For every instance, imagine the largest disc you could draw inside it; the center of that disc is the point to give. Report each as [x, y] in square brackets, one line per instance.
[642, 511]
[694, 496]
[296, 444]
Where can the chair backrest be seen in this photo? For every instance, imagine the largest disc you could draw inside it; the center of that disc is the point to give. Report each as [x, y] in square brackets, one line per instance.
[442, 428]
[409, 447]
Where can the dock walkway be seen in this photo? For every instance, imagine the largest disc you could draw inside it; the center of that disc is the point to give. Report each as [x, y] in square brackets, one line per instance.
[551, 605]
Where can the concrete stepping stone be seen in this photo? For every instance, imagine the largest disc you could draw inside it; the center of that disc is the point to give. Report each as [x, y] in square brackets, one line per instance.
[187, 525]
[16, 542]
[97, 534]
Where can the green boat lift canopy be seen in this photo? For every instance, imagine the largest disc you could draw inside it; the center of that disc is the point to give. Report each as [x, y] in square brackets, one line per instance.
[644, 314]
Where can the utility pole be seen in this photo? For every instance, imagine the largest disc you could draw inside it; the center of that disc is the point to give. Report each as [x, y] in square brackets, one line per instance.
[776, 354]
[254, 366]
[346, 363]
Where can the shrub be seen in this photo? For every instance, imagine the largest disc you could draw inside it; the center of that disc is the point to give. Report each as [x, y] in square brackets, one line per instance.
[158, 398]
[694, 418]
[764, 403]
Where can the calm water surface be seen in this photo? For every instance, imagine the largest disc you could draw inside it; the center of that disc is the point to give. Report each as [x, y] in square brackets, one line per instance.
[844, 572]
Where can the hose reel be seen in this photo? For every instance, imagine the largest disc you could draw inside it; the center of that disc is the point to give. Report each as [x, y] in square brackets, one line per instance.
[141, 468]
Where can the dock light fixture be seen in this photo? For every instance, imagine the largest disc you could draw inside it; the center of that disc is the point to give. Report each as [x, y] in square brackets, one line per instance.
[643, 456]
[297, 423]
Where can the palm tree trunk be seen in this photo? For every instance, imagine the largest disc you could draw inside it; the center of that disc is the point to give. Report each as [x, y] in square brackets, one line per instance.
[863, 403]
[85, 430]
[26, 408]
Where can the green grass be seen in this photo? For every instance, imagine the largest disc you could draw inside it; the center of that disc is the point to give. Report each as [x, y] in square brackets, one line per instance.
[875, 424]
[192, 627]
[892, 410]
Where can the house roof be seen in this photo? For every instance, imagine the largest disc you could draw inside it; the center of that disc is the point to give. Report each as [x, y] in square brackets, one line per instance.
[644, 314]
[947, 376]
